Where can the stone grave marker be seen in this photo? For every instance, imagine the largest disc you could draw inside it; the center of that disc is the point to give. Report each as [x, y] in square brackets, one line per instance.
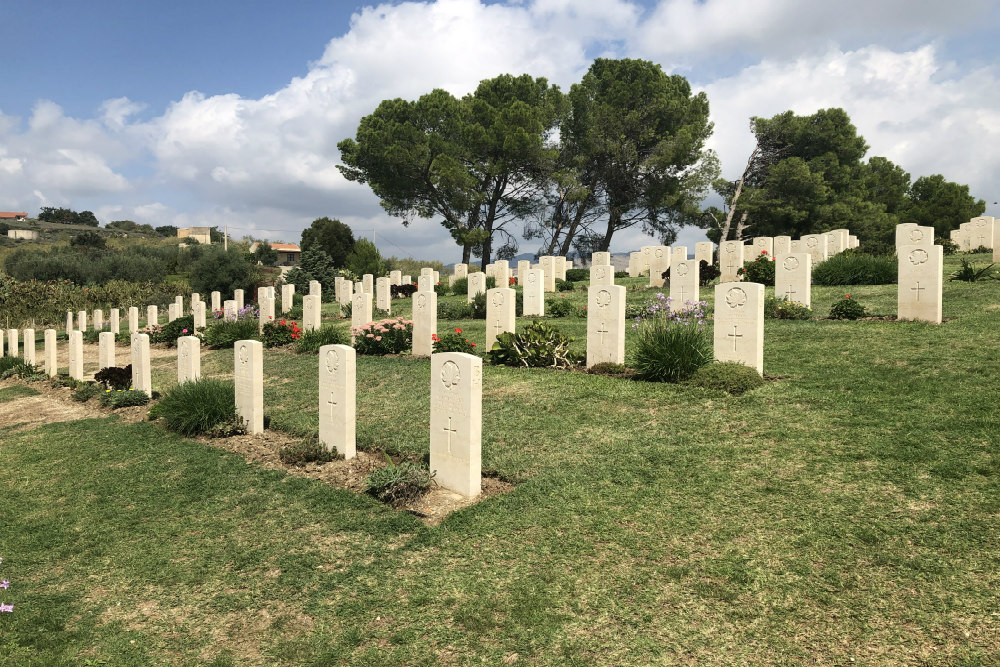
[179, 300]
[982, 232]
[69, 321]
[315, 288]
[836, 241]
[476, 285]
[634, 264]
[347, 292]
[407, 280]
[424, 323]
[647, 256]
[29, 346]
[51, 353]
[133, 319]
[659, 261]
[395, 277]
[188, 359]
[287, 298]
[383, 297]
[731, 260]
[98, 319]
[116, 321]
[739, 323]
[763, 244]
[919, 289]
[684, 280]
[602, 274]
[198, 311]
[815, 245]
[173, 312]
[337, 399]
[501, 274]
[81, 320]
[105, 350]
[915, 234]
[500, 313]
[361, 309]
[600, 259]
[368, 284]
[547, 264]
[249, 373]
[266, 312]
[560, 263]
[523, 266]
[793, 277]
[12, 342]
[216, 302]
[152, 315]
[796, 246]
[782, 245]
[239, 298]
[76, 354]
[425, 283]
[704, 251]
[461, 271]
[457, 421]
[605, 324]
[230, 311]
[533, 295]
[141, 375]
[311, 307]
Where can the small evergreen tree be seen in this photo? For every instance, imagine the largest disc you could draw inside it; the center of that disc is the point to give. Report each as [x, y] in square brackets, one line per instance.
[365, 258]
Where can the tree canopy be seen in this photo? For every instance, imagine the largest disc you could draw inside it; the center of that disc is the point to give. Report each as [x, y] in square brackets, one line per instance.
[331, 236]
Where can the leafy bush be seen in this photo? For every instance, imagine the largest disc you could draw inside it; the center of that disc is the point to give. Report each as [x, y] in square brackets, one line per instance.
[399, 484]
[491, 282]
[539, 345]
[85, 392]
[206, 406]
[171, 331]
[460, 287]
[282, 332]
[610, 369]
[759, 270]
[224, 333]
[980, 250]
[849, 268]
[558, 306]
[314, 264]
[457, 310]
[84, 266]
[564, 285]
[971, 273]
[402, 291]
[16, 367]
[784, 309]
[391, 336]
[364, 258]
[671, 346]
[115, 377]
[441, 289]
[311, 341]
[89, 239]
[731, 377]
[948, 246]
[621, 274]
[847, 309]
[123, 398]
[479, 306]
[577, 275]
[453, 342]
[218, 270]
[310, 450]
[94, 336]
[707, 272]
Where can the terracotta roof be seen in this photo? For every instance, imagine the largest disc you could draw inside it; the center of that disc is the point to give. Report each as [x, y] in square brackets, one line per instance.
[7, 214]
[285, 247]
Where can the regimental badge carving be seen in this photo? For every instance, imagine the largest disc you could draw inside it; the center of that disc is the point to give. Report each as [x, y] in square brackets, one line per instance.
[421, 301]
[603, 298]
[790, 263]
[918, 256]
[450, 375]
[681, 269]
[658, 253]
[916, 235]
[532, 278]
[980, 223]
[730, 248]
[812, 241]
[244, 355]
[332, 361]
[736, 297]
[497, 299]
[600, 273]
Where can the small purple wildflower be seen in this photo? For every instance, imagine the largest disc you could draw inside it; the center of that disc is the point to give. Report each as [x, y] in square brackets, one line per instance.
[6, 607]
[5, 583]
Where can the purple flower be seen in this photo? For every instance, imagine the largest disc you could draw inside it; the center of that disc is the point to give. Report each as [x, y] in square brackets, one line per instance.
[5, 583]
[6, 607]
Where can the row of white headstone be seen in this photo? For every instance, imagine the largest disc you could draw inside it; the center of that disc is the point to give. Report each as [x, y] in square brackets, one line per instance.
[980, 232]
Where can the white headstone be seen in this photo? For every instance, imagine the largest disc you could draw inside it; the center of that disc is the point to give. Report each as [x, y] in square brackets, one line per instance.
[347, 292]
[602, 274]
[188, 359]
[361, 309]
[659, 261]
[836, 241]
[368, 283]
[424, 323]
[266, 313]
[684, 280]
[179, 300]
[51, 353]
[523, 266]
[561, 268]
[793, 277]
[457, 421]
[106, 350]
[903, 231]
[395, 277]
[76, 354]
[116, 321]
[763, 244]
[919, 288]
[815, 245]
[315, 288]
[239, 298]
[337, 399]
[198, 311]
[600, 259]
[383, 295]
[500, 313]
[69, 321]
[605, 324]
[704, 251]
[782, 245]
[476, 285]
[739, 323]
[311, 306]
[29, 346]
[501, 273]
[152, 315]
[81, 320]
[12, 342]
[287, 298]
[249, 373]
[547, 264]
[230, 311]
[913, 234]
[407, 280]
[425, 283]
[634, 264]
[141, 375]
[173, 312]
[981, 232]
[533, 295]
[98, 319]
[216, 302]
[461, 270]
[133, 320]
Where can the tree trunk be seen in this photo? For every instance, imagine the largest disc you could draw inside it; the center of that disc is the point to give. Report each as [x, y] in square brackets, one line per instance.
[466, 253]
[740, 226]
[581, 209]
[614, 217]
[736, 197]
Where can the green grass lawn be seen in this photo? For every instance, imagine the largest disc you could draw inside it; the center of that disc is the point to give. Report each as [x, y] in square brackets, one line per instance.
[848, 513]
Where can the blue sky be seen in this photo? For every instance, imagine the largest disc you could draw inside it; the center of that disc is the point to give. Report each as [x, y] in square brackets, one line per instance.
[220, 112]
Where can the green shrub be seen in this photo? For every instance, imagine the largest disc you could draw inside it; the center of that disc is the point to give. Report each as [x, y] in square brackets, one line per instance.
[847, 309]
[578, 275]
[784, 309]
[225, 333]
[16, 367]
[848, 268]
[948, 246]
[759, 270]
[479, 306]
[441, 289]
[206, 406]
[282, 332]
[85, 392]
[115, 377]
[729, 376]
[980, 250]
[94, 336]
[538, 345]
[456, 310]
[123, 398]
[391, 336]
[346, 310]
[669, 349]
[460, 287]
[610, 369]
[558, 306]
[399, 484]
[310, 450]
[311, 341]
[218, 270]
[491, 282]
[453, 342]
[564, 285]
[171, 331]
[707, 272]
[971, 273]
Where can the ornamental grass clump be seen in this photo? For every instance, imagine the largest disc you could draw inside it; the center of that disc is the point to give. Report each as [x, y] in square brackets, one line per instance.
[122, 398]
[389, 336]
[671, 344]
[207, 406]
[399, 484]
[225, 333]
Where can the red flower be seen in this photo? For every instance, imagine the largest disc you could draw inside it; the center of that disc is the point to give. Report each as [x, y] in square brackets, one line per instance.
[282, 322]
[847, 296]
[458, 331]
[472, 344]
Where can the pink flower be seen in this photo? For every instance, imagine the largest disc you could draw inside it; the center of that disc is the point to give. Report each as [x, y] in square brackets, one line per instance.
[184, 330]
[378, 338]
[369, 335]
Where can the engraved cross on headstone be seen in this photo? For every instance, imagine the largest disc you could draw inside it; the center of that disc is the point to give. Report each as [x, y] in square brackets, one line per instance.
[734, 336]
[497, 328]
[789, 292]
[603, 329]
[918, 289]
[332, 403]
[683, 290]
[447, 429]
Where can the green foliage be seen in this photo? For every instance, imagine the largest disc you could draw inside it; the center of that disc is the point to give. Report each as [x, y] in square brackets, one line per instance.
[399, 484]
[123, 398]
[479, 306]
[391, 336]
[539, 345]
[671, 350]
[454, 310]
[460, 287]
[171, 331]
[310, 450]
[577, 275]
[115, 377]
[981, 250]
[557, 306]
[759, 270]
[314, 265]
[847, 309]
[94, 336]
[332, 237]
[89, 240]
[225, 333]
[948, 246]
[731, 377]
[848, 268]
[196, 408]
[311, 341]
[707, 272]
[610, 369]
[85, 392]
[453, 341]
[785, 309]
[280, 332]
[970, 272]
[67, 216]
[564, 285]
[16, 367]
[265, 254]
[365, 258]
[944, 205]
[217, 270]
[85, 266]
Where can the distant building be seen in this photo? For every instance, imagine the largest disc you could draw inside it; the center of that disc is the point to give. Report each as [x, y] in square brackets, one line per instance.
[199, 234]
[27, 234]
[7, 215]
[288, 253]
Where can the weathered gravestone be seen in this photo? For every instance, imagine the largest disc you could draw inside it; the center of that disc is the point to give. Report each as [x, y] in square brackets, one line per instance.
[659, 261]
[500, 313]
[605, 324]
[188, 359]
[311, 306]
[141, 376]
[76, 354]
[457, 422]
[684, 277]
[249, 373]
[383, 294]
[730, 260]
[815, 245]
[602, 274]
[793, 277]
[919, 289]
[424, 323]
[315, 288]
[51, 353]
[337, 399]
[739, 324]
[782, 245]
[106, 350]
[533, 295]
[600, 259]
[476, 285]
[704, 251]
